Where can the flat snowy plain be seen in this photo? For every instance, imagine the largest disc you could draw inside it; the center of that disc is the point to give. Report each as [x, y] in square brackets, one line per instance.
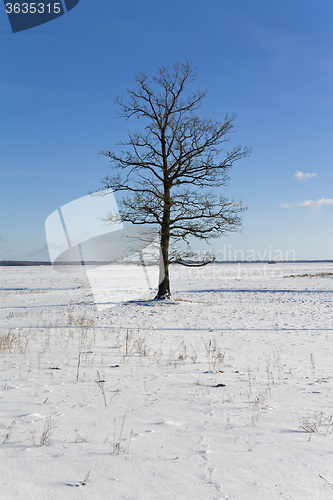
[223, 393]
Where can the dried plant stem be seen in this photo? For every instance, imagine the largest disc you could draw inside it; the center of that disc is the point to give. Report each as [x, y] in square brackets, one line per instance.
[78, 367]
[100, 382]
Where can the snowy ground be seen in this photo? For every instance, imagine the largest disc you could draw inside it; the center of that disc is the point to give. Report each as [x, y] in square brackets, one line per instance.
[224, 393]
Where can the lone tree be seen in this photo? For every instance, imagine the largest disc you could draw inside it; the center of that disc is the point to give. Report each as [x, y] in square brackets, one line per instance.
[168, 168]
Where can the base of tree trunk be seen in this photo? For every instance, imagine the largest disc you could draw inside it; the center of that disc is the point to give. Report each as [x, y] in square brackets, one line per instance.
[163, 289]
[163, 296]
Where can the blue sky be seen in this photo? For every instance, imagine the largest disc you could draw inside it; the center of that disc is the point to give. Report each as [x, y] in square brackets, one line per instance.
[269, 61]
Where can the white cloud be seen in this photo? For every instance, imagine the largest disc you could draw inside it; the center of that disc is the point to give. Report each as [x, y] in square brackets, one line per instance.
[309, 203]
[288, 205]
[300, 175]
[316, 203]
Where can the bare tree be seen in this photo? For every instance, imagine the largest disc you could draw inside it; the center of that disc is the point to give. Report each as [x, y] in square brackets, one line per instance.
[168, 168]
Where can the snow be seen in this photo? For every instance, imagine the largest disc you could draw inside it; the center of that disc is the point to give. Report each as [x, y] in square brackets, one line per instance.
[224, 392]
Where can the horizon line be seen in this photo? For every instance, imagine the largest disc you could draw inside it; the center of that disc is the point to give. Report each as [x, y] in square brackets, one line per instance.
[5, 263]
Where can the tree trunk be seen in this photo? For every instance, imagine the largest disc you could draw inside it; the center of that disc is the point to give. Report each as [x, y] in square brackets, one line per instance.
[164, 282]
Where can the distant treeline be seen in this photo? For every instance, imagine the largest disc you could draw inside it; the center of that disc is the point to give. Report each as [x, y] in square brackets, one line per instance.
[35, 263]
[23, 263]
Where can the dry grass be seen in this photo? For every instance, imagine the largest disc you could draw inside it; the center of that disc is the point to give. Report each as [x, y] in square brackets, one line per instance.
[117, 445]
[78, 438]
[214, 355]
[12, 343]
[49, 426]
[318, 423]
[8, 433]
[308, 275]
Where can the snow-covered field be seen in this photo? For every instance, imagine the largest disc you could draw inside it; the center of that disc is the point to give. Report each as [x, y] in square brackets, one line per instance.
[224, 393]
